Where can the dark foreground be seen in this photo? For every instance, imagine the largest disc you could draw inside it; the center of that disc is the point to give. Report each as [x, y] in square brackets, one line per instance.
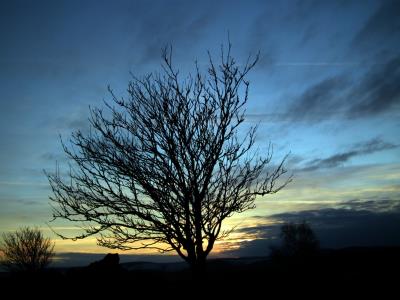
[351, 271]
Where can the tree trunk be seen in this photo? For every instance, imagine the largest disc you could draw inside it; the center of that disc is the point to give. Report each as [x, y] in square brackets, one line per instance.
[198, 268]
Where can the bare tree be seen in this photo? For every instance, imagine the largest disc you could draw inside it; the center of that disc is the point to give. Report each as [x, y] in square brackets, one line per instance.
[163, 168]
[26, 249]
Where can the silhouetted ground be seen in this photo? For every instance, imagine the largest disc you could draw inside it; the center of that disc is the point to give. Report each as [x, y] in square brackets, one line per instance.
[355, 271]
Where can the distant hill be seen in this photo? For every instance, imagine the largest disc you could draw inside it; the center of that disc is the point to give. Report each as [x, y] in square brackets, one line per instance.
[75, 259]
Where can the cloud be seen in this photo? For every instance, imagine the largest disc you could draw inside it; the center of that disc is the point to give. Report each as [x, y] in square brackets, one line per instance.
[369, 91]
[67, 123]
[169, 23]
[375, 92]
[381, 27]
[320, 101]
[354, 223]
[368, 147]
[158, 38]
[368, 87]
[378, 90]
[351, 223]
[270, 29]
[52, 157]
[381, 206]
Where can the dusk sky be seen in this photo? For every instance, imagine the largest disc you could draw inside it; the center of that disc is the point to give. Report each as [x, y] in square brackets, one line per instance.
[326, 89]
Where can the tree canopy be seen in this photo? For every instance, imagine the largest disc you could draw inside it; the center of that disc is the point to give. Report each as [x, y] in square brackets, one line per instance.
[165, 167]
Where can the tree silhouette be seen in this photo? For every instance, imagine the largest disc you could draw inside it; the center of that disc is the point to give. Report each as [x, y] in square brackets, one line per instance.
[298, 240]
[26, 249]
[163, 168]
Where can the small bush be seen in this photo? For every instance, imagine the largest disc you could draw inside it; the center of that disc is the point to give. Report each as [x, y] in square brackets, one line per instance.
[26, 249]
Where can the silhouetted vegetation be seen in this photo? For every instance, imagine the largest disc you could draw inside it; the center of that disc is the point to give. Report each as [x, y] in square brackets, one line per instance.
[26, 249]
[298, 241]
[164, 168]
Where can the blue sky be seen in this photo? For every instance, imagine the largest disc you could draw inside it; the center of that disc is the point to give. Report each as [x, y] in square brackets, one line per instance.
[326, 89]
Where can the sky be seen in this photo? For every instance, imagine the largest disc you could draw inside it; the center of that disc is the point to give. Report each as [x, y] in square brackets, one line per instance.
[326, 90]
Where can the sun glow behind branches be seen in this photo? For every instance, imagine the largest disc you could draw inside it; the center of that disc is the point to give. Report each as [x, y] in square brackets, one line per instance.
[299, 196]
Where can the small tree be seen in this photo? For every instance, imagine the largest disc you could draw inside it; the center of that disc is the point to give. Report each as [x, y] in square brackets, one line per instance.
[26, 249]
[164, 168]
[298, 240]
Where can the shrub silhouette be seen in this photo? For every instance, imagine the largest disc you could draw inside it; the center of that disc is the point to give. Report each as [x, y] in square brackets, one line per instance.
[26, 249]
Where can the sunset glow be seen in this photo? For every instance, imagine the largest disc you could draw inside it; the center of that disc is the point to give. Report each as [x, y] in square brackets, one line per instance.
[326, 90]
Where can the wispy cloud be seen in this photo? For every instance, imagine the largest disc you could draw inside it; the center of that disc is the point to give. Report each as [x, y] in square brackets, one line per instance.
[23, 183]
[378, 91]
[320, 101]
[344, 96]
[315, 64]
[368, 147]
[168, 23]
[382, 26]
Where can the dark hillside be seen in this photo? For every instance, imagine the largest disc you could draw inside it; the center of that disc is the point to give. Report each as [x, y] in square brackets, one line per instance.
[355, 270]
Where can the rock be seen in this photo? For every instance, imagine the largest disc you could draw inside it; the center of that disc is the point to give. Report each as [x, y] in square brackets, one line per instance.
[110, 263]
